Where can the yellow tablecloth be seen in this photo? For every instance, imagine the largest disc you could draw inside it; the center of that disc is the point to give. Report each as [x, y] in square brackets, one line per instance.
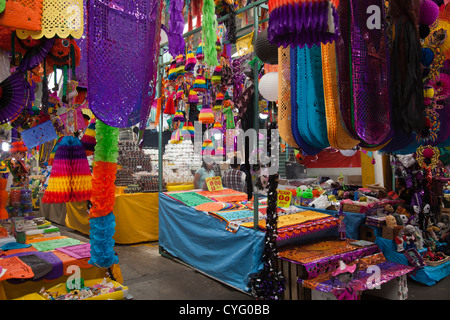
[136, 217]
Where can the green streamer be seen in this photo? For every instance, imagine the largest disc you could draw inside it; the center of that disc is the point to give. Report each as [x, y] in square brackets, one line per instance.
[209, 36]
[106, 147]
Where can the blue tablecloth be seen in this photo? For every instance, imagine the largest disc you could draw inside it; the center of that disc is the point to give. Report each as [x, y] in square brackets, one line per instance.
[427, 275]
[353, 221]
[203, 242]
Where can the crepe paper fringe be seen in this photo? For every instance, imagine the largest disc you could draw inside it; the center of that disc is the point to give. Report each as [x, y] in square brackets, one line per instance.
[301, 23]
[106, 148]
[209, 37]
[102, 252]
[88, 140]
[103, 188]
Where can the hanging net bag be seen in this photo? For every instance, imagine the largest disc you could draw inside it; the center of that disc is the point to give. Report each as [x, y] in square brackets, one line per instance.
[122, 48]
[370, 76]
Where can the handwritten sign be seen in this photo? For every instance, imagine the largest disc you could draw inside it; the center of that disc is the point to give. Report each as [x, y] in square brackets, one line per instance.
[284, 198]
[214, 183]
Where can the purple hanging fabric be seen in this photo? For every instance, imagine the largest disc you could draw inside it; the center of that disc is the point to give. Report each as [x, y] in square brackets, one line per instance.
[370, 68]
[176, 26]
[123, 41]
[82, 69]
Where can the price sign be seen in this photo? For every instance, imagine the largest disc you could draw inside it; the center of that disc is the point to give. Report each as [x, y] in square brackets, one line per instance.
[284, 198]
[214, 183]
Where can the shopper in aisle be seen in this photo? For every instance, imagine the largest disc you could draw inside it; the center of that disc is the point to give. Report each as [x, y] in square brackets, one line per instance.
[206, 171]
[234, 178]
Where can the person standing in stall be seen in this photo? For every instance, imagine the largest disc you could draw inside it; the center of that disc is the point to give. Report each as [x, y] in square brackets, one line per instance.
[234, 178]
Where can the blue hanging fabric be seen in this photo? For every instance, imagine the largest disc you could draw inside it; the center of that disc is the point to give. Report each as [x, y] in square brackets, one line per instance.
[317, 122]
[304, 145]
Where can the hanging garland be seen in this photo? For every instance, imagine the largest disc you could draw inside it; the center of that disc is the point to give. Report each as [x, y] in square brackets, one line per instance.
[102, 219]
[209, 37]
[269, 283]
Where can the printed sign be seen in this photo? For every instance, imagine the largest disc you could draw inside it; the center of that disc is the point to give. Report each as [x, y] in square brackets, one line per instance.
[214, 183]
[284, 198]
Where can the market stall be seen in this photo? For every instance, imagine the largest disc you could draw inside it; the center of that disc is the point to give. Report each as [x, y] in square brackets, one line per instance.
[136, 217]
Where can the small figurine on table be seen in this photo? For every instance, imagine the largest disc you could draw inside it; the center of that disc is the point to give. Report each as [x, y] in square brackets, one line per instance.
[399, 238]
[410, 238]
[341, 228]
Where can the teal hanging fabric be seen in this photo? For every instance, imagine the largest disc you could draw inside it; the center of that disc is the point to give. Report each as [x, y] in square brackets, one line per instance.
[317, 122]
[310, 99]
[298, 137]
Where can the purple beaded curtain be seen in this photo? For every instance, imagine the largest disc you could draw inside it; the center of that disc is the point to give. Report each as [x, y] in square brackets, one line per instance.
[370, 65]
[123, 42]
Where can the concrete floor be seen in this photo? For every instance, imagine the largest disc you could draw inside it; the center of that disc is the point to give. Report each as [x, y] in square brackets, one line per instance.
[150, 276]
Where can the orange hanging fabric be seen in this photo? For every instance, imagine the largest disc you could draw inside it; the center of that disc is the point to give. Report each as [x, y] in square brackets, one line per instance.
[22, 14]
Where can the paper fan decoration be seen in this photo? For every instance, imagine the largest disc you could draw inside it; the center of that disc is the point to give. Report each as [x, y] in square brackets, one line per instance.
[199, 83]
[192, 97]
[180, 93]
[176, 136]
[217, 125]
[191, 129]
[13, 97]
[51, 157]
[191, 61]
[216, 78]
[199, 53]
[207, 147]
[219, 101]
[88, 140]
[179, 116]
[185, 134]
[36, 54]
[70, 179]
[206, 115]
[172, 74]
[179, 65]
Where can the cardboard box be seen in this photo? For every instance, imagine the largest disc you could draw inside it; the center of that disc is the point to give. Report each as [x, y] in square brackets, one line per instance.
[367, 233]
[387, 233]
[354, 180]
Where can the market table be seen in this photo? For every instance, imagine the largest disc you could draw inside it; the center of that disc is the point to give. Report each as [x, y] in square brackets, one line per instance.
[202, 241]
[21, 279]
[54, 212]
[136, 217]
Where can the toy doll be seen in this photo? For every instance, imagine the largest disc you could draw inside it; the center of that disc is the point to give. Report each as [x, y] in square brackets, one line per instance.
[410, 238]
[399, 238]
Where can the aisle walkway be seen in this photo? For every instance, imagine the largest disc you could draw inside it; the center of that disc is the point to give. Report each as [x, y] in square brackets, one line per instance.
[150, 276]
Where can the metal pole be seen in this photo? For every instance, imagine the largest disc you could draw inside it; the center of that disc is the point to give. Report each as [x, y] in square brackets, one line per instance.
[255, 112]
[160, 125]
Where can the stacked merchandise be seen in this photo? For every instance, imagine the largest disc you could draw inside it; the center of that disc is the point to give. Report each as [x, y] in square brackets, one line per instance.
[131, 160]
[179, 161]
